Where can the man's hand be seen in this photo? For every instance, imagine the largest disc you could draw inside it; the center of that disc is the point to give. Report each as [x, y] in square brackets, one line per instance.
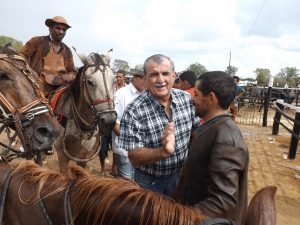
[168, 139]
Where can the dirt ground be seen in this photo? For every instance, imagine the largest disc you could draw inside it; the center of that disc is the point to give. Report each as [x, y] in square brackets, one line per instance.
[268, 166]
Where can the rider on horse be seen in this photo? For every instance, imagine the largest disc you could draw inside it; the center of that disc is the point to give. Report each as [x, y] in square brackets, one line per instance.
[51, 59]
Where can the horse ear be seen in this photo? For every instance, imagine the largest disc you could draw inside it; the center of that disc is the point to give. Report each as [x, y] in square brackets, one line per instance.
[84, 59]
[109, 56]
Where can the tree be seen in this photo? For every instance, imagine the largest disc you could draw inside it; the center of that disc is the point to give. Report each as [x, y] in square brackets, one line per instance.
[120, 64]
[15, 43]
[262, 76]
[232, 70]
[290, 75]
[197, 68]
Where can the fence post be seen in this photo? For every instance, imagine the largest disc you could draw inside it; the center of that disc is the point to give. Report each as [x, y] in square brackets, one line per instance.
[277, 117]
[294, 140]
[267, 101]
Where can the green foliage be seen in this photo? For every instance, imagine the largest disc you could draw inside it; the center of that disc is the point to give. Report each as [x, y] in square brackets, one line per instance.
[15, 43]
[290, 75]
[232, 70]
[262, 76]
[120, 64]
[197, 68]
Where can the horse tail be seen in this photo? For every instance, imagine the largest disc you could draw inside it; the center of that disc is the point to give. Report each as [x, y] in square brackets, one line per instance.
[262, 210]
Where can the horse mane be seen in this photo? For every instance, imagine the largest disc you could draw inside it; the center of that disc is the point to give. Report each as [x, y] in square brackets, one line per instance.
[102, 199]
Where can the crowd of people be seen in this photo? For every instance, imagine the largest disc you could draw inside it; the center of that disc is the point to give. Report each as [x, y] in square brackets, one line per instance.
[174, 134]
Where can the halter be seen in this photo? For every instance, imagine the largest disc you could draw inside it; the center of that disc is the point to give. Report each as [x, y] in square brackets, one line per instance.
[92, 103]
[18, 116]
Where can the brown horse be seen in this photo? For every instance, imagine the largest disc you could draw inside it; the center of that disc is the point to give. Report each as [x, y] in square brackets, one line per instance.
[35, 195]
[23, 107]
[85, 109]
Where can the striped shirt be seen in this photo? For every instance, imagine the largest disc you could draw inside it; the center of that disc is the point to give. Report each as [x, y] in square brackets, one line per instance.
[143, 123]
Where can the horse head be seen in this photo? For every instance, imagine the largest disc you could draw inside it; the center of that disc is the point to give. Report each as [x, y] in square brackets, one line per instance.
[96, 79]
[23, 106]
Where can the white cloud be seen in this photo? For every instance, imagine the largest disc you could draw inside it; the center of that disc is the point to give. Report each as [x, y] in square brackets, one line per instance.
[188, 31]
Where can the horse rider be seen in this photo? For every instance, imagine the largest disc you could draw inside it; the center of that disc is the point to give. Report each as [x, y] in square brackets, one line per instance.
[49, 57]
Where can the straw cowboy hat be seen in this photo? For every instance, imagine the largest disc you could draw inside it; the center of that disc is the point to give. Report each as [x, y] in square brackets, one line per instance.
[57, 19]
[138, 70]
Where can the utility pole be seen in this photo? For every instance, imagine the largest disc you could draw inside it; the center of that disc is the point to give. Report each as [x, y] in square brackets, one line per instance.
[229, 58]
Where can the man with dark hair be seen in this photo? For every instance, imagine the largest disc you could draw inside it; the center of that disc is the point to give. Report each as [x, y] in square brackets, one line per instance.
[187, 81]
[49, 57]
[214, 178]
[120, 80]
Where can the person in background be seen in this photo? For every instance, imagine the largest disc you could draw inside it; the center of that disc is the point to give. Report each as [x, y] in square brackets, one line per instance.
[187, 81]
[176, 82]
[234, 106]
[122, 98]
[49, 57]
[106, 140]
[120, 80]
[150, 123]
[214, 178]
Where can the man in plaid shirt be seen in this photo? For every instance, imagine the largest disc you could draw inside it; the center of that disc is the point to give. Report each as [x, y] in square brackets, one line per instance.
[156, 128]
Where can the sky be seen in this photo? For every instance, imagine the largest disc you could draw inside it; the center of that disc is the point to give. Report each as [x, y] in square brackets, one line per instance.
[258, 33]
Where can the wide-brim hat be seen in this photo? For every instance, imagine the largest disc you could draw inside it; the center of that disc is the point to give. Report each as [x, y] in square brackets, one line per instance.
[57, 19]
[138, 70]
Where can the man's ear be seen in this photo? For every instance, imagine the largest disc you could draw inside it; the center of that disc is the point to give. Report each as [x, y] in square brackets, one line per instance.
[213, 98]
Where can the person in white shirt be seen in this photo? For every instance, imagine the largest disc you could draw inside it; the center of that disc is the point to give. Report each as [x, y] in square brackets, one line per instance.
[123, 97]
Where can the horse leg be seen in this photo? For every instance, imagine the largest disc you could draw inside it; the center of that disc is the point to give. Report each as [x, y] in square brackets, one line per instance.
[262, 210]
[63, 160]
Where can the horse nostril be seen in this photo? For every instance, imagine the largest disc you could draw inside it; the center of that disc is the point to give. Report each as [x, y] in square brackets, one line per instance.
[44, 132]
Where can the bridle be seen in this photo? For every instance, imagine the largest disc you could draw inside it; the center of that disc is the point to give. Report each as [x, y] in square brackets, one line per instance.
[18, 116]
[79, 119]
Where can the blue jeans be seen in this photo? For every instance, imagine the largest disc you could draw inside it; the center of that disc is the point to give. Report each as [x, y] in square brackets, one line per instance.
[124, 166]
[162, 185]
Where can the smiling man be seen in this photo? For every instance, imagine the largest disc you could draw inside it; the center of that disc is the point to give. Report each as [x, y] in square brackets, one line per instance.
[49, 57]
[150, 124]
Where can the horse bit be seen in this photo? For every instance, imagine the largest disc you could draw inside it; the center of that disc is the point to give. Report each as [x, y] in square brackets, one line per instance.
[18, 116]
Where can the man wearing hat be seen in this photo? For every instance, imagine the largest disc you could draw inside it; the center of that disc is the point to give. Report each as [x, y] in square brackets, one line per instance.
[49, 57]
[123, 97]
[187, 81]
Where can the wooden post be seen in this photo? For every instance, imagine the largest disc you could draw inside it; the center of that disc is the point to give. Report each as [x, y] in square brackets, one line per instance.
[267, 102]
[295, 136]
[277, 117]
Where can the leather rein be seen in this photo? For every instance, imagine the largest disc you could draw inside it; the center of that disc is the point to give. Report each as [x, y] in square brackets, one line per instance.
[17, 116]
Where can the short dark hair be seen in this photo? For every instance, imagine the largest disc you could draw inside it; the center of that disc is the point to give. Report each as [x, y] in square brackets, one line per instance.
[188, 76]
[221, 84]
[237, 78]
[122, 72]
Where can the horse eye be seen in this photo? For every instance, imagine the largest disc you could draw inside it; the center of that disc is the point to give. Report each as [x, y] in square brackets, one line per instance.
[91, 83]
[3, 76]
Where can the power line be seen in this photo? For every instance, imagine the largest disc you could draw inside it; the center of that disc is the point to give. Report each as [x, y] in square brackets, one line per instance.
[254, 24]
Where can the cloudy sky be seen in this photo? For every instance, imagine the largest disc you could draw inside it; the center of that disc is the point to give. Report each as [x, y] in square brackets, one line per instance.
[258, 33]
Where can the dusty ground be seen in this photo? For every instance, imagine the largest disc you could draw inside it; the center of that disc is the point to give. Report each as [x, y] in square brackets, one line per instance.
[267, 167]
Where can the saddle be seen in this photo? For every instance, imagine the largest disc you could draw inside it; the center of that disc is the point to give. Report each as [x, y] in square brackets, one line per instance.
[53, 100]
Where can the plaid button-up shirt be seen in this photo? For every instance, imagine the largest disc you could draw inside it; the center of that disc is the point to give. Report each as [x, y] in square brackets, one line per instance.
[143, 123]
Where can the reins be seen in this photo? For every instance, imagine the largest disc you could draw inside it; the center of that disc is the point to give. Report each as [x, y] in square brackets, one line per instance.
[16, 116]
[79, 119]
